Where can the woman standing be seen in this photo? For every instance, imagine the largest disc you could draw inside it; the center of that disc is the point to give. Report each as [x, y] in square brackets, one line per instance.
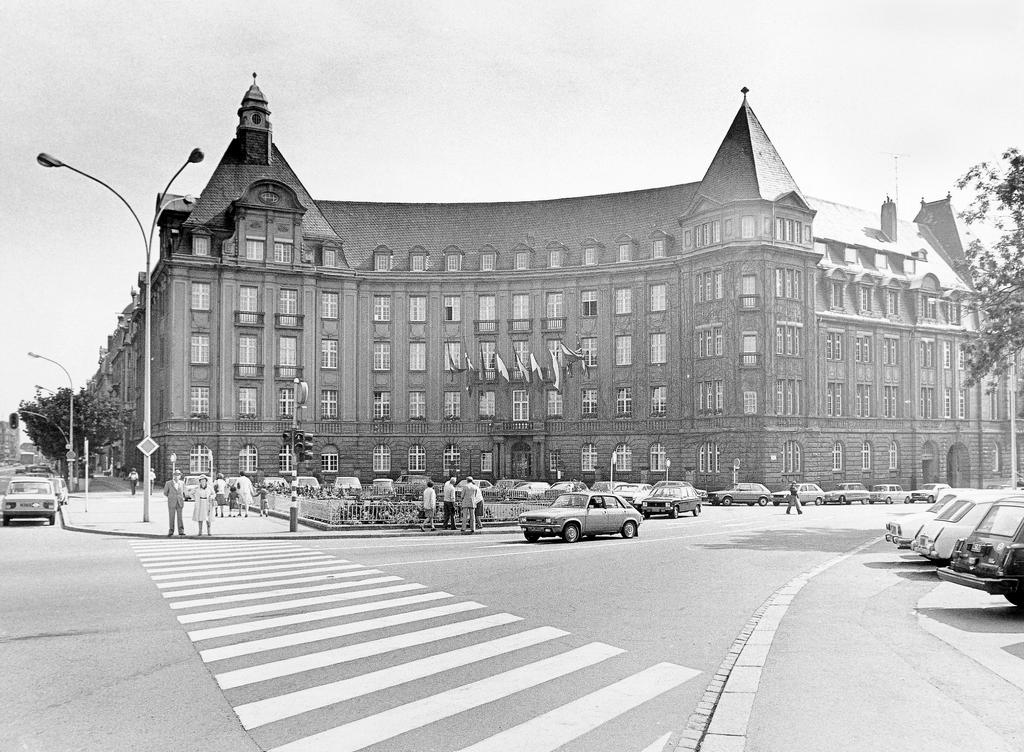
[203, 510]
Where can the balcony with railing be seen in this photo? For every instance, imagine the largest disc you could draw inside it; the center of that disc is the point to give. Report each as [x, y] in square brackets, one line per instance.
[750, 359]
[249, 370]
[750, 302]
[288, 372]
[288, 320]
[487, 326]
[520, 325]
[553, 324]
[249, 318]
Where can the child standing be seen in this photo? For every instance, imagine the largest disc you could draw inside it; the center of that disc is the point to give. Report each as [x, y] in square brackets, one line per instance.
[263, 501]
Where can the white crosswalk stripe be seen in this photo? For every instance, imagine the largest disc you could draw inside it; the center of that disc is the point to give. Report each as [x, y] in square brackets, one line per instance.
[280, 666]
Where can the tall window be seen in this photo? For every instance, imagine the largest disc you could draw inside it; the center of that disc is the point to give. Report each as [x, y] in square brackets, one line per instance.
[255, 249]
[947, 403]
[892, 303]
[248, 459]
[894, 456]
[200, 245]
[282, 251]
[520, 404]
[835, 298]
[555, 403]
[417, 404]
[487, 309]
[487, 262]
[834, 346]
[708, 457]
[863, 345]
[382, 308]
[453, 405]
[589, 256]
[862, 401]
[926, 353]
[521, 306]
[709, 286]
[658, 297]
[329, 353]
[658, 249]
[199, 400]
[709, 341]
[890, 401]
[834, 399]
[588, 458]
[486, 407]
[787, 339]
[417, 459]
[837, 456]
[708, 233]
[890, 351]
[865, 455]
[285, 402]
[656, 458]
[452, 355]
[659, 349]
[417, 308]
[452, 459]
[247, 349]
[659, 400]
[625, 252]
[329, 404]
[589, 347]
[329, 305]
[947, 355]
[522, 259]
[382, 405]
[381, 356]
[288, 301]
[417, 356]
[287, 351]
[789, 284]
[248, 298]
[285, 459]
[623, 458]
[487, 351]
[588, 402]
[329, 257]
[787, 396]
[247, 401]
[792, 458]
[554, 461]
[200, 459]
[927, 402]
[623, 301]
[555, 258]
[624, 350]
[865, 299]
[624, 400]
[588, 302]
[553, 308]
[329, 459]
[961, 403]
[709, 396]
[452, 308]
[382, 458]
[453, 262]
[200, 348]
[200, 296]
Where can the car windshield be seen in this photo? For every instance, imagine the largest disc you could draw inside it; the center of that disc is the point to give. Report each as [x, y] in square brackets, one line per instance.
[955, 511]
[1002, 521]
[571, 501]
[32, 488]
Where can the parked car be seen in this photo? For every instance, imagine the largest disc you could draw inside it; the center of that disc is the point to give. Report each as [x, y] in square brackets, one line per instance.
[29, 497]
[902, 532]
[929, 492]
[191, 484]
[277, 483]
[679, 484]
[307, 481]
[347, 485]
[936, 538]
[382, 487]
[581, 514]
[530, 489]
[633, 493]
[411, 485]
[888, 493]
[808, 493]
[671, 501]
[565, 486]
[992, 557]
[741, 493]
[846, 493]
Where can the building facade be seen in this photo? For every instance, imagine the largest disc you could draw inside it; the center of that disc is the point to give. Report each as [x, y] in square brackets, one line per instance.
[730, 326]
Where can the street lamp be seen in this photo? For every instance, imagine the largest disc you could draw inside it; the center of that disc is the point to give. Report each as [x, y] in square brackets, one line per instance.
[39, 388]
[195, 156]
[668, 464]
[71, 420]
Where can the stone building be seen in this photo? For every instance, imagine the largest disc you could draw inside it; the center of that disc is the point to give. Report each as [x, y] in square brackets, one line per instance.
[728, 325]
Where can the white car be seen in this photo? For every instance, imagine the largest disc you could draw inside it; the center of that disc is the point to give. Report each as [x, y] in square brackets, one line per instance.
[902, 532]
[936, 538]
[929, 492]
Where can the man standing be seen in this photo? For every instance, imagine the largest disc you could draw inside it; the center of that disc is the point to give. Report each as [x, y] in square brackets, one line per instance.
[244, 486]
[429, 505]
[469, 507]
[174, 490]
[478, 494]
[449, 504]
[794, 499]
[133, 480]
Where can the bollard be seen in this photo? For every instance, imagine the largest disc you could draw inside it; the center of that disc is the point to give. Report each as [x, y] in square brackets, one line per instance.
[293, 519]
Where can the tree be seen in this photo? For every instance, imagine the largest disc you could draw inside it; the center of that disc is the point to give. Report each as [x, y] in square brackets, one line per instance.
[997, 267]
[99, 419]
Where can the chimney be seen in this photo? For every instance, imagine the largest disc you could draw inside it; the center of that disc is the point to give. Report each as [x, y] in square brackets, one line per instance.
[889, 219]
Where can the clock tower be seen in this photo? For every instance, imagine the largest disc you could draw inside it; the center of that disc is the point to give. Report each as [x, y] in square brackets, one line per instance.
[254, 130]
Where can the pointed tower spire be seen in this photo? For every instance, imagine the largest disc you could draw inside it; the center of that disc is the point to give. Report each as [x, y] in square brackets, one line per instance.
[747, 165]
[254, 132]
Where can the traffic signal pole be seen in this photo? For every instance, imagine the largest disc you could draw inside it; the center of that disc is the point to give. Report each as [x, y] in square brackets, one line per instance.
[293, 510]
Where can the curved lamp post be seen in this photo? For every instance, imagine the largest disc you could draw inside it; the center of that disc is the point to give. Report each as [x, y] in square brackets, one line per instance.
[71, 420]
[195, 156]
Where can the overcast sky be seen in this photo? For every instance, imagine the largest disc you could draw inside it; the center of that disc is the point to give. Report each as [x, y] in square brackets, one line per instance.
[459, 101]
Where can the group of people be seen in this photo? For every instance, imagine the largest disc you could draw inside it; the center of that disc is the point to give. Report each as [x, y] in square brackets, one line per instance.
[470, 500]
[217, 500]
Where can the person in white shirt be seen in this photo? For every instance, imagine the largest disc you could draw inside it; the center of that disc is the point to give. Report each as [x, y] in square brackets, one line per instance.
[429, 505]
[449, 504]
[244, 486]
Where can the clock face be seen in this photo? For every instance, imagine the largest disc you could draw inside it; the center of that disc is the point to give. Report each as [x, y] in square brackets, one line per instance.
[257, 118]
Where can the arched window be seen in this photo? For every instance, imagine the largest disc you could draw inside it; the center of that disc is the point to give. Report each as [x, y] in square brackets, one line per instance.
[588, 458]
[452, 459]
[708, 457]
[792, 458]
[286, 459]
[865, 455]
[248, 459]
[417, 459]
[382, 458]
[329, 459]
[837, 456]
[894, 456]
[200, 460]
[657, 455]
[623, 458]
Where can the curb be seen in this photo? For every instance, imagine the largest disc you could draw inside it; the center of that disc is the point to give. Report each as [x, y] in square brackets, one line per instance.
[719, 724]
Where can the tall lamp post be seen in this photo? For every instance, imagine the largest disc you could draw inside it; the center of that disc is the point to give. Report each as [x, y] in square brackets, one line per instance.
[71, 421]
[195, 156]
[668, 464]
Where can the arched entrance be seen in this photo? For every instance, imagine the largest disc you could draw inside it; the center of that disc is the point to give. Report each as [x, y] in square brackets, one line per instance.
[929, 463]
[522, 460]
[958, 466]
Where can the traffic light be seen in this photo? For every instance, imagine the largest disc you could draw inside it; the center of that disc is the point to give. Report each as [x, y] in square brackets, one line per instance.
[306, 450]
[297, 444]
[12, 421]
[287, 438]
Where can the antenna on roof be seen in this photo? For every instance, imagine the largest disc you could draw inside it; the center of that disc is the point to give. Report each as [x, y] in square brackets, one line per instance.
[896, 173]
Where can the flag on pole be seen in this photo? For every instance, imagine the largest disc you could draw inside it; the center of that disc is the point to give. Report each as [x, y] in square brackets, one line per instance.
[500, 365]
[535, 367]
[556, 369]
[575, 356]
[452, 365]
[482, 364]
[521, 367]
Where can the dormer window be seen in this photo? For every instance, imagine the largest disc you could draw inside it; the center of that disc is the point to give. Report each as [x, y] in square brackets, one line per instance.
[708, 233]
[555, 258]
[658, 251]
[522, 259]
[200, 245]
[590, 256]
[852, 257]
[283, 252]
[329, 257]
[747, 227]
[625, 252]
[418, 262]
[487, 261]
[382, 261]
[453, 262]
[881, 261]
[788, 230]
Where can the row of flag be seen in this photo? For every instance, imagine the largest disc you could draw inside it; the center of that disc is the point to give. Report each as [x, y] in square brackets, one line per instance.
[526, 369]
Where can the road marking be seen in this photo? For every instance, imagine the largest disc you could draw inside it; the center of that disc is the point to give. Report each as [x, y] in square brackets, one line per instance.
[338, 630]
[312, 661]
[212, 553]
[388, 724]
[659, 744]
[239, 597]
[355, 571]
[211, 558]
[325, 559]
[327, 565]
[234, 563]
[229, 613]
[330, 613]
[183, 549]
[549, 731]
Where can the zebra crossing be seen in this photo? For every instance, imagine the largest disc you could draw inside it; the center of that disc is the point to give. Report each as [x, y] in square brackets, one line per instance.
[318, 653]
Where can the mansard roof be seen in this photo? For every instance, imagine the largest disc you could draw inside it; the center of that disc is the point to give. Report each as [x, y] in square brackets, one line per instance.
[232, 177]
[364, 226]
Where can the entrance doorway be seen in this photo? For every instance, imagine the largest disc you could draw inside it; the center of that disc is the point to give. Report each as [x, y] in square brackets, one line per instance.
[958, 466]
[522, 461]
[929, 463]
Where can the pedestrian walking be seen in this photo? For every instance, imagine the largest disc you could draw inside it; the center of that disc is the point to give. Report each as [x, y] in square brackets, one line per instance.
[203, 510]
[449, 504]
[152, 479]
[429, 505]
[220, 495]
[174, 490]
[794, 499]
[244, 486]
[263, 492]
[133, 480]
[478, 494]
[469, 507]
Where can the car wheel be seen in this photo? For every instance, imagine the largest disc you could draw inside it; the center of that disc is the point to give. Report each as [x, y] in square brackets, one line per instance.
[532, 537]
[6, 521]
[1017, 599]
[842, 500]
[908, 500]
[727, 501]
[763, 501]
[775, 503]
[888, 500]
[673, 513]
[53, 519]
[696, 511]
[628, 529]
[931, 499]
[819, 501]
[571, 533]
[870, 501]
[865, 501]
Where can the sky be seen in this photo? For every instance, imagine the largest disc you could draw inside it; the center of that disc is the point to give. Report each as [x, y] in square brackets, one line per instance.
[459, 100]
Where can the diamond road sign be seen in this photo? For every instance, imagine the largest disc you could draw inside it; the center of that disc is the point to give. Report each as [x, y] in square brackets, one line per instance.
[147, 446]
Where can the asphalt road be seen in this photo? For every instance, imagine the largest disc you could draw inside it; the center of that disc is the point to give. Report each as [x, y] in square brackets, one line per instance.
[602, 645]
